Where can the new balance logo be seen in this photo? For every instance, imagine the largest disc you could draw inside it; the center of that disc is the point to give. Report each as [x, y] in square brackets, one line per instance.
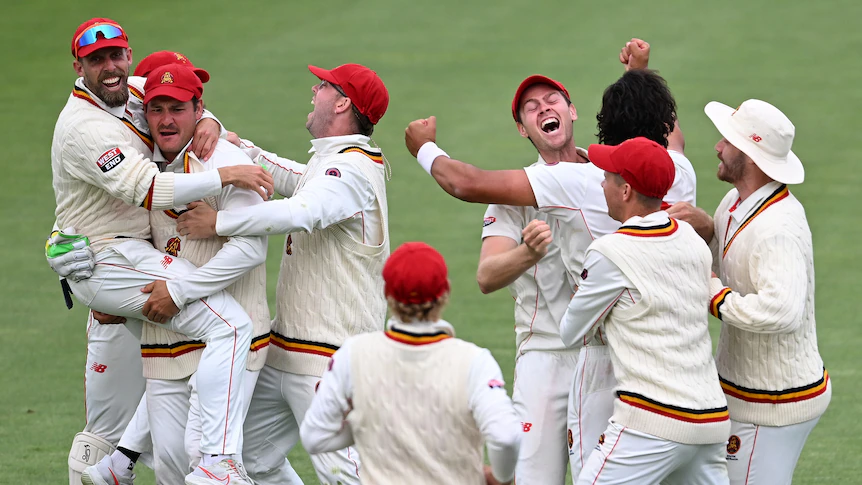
[527, 427]
[100, 368]
[166, 261]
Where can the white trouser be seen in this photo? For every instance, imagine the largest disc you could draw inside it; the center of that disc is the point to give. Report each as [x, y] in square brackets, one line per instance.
[764, 454]
[137, 437]
[591, 403]
[113, 379]
[541, 398]
[627, 456]
[115, 288]
[278, 406]
[168, 403]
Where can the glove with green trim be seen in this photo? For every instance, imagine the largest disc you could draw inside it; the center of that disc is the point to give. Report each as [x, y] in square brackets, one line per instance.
[70, 254]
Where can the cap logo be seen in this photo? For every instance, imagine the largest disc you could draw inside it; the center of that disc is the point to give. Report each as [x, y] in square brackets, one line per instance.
[755, 137]
[180, 57]
[167, 78]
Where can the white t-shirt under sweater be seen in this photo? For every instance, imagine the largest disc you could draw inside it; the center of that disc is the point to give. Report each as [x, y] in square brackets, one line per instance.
[235, 264]
[541, 293]
[572, 192]
[418, 404]
[768, 360]
[330, 284]
[660, 346]
[103, 181]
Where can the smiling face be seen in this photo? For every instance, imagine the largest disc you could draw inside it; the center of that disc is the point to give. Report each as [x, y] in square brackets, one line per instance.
[106, 74]
[172, 123]
[546, 118]
[732, 166]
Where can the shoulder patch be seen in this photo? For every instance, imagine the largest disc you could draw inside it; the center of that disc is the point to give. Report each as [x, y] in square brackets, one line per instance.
[110, 159]
[333, 172]
[376, 157]
[489, 220]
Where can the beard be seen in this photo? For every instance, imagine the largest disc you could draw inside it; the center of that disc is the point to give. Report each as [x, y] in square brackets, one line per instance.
[732, 169]
[112, 99]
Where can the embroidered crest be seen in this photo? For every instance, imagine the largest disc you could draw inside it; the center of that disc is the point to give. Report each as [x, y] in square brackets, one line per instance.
[602, 439]
[571, 439]
[287, 248]
[488, 221]
[333, 171]
[173, 246]
[584, 274]
[181, 57]
[167, 78]
[733, 444]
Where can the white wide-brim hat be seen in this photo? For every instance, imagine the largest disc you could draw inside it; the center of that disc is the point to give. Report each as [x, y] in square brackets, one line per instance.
[762, 132]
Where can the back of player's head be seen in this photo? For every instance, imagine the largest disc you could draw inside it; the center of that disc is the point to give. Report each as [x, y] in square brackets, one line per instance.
[417, 282]
[638, 104]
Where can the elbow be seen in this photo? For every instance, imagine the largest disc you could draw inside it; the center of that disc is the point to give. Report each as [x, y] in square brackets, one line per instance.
[306, 435]
[789, 321]
[485, 285]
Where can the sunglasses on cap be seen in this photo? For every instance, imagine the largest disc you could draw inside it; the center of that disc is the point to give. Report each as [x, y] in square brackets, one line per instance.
[91, 35]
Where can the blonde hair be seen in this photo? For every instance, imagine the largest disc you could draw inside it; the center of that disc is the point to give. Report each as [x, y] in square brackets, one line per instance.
[429, 311]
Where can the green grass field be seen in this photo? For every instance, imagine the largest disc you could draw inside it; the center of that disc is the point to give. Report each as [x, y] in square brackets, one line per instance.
[460, 61]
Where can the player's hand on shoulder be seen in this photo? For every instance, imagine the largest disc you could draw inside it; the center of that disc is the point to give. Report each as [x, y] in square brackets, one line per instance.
[251, 177]
[234, 138]
[537, 237]
[697, 217]
[635, 54]
[205, 138]
[70, 255]
[420, 132]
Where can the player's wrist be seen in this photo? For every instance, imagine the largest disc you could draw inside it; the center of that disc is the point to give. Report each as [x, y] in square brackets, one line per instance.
[429, 152]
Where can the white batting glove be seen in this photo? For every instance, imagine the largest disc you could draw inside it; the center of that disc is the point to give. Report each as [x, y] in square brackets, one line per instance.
[70, 255]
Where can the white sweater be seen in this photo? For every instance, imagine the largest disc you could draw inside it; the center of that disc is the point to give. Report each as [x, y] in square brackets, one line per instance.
[660, 346]
[767, 357]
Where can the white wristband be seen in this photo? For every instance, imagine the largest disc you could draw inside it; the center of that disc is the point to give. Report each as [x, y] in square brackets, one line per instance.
[428, 153]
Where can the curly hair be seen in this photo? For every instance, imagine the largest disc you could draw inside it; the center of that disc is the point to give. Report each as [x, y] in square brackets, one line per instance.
[638, 104]
[418, 312]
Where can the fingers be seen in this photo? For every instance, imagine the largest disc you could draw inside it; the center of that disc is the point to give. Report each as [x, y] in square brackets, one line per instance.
[192, 205]
[149, 288]
[233, 138]
[432, 122]
[209, 147]
[678, 208]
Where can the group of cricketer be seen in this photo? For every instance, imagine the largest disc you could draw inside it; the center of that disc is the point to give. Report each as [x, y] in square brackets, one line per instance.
[162, 222]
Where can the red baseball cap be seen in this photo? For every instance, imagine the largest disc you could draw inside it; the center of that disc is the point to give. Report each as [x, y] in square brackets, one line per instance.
[361, 85]
[526, 83]
[97, 33]
[641, 162]
[177, 81]
[415, 273]
[163, 58]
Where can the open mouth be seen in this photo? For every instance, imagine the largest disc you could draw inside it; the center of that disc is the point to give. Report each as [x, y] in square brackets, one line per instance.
[550, 125]
[166, 133]
[111, 82]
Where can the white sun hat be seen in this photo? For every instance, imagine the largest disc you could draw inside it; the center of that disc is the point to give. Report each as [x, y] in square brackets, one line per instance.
[762, 132]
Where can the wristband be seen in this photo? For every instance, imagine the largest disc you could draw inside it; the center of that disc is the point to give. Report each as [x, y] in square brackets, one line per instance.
[428, 153]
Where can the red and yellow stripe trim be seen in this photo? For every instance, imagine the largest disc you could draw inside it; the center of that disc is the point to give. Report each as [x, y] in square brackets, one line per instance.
[376, 157]
[260, 342]
[171, 350]
[651, 231]
[146, 138]
[136, 93]
[717, 301]
[173, 213]
[697, 416]
[795, 394]
[779, 194]
[416, 339]
[302, 346]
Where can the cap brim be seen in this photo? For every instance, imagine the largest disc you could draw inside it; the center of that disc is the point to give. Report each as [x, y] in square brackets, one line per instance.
[201, 74]
[173, 92]
[531, 81]
[323, 74]
[787, 170]
[102, 44]
[600, 156]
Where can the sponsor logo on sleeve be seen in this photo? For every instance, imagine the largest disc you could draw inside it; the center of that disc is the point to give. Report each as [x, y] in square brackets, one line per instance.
[333, 172]
[110, 159]
[494, 384]
[489, 220]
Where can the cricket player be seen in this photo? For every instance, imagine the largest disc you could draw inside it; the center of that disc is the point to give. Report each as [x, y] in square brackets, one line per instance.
[569, 194]
[104, 186]
[330, 285]
[770, 368]
[646, 284]
[383, 389]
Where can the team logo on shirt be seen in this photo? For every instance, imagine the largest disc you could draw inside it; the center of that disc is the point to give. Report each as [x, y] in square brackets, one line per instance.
[173, 246]
[570, 439]
[287, 248]
[488, 221]
[333, 172]
[110, 159]
[733, 444]
[601, 439]
[584, 274]
[167, 78]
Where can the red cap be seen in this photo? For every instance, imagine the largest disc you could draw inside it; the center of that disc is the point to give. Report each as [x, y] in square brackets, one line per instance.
[177, 81]
[163, 58]
[642, 163]
[101, 42]
[361, 85]
[526, 83]
[415, 273]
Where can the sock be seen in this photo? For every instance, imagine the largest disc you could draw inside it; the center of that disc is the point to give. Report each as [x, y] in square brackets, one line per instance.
[123, 464]
[208, 459]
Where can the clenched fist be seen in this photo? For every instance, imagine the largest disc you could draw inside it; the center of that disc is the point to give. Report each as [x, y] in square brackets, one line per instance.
[537, 237]
[420, 132]
[635, 54]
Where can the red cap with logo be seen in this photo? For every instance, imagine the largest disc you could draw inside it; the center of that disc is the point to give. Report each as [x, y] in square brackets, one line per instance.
[530, 81]
[95, 34]
[641, 162]
[177, 81]
[415, 273]
[362, 85]
[163, 58]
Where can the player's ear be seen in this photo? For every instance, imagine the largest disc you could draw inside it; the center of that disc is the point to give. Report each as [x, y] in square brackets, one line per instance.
[573, 112]
[78, 66]
[521, 130]
[343, 105]
[129, 55]
[199, 109]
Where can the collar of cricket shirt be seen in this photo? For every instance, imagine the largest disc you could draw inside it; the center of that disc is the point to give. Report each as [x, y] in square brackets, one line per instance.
[119, 111]
[744, 208]
[419, 333]
[334, 144]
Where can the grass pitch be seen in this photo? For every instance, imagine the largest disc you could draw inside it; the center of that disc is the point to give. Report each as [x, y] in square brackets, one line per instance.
[460, 61]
